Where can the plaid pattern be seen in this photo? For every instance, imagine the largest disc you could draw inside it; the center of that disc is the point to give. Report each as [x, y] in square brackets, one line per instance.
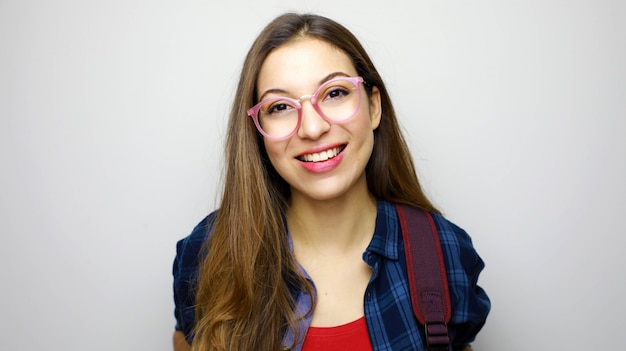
[387, 302]
[390, 319]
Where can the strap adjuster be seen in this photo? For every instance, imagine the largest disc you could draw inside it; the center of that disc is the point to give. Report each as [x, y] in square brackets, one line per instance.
[437, 337]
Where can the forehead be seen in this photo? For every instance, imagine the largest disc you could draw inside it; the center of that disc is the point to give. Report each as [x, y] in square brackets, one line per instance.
[302, 63]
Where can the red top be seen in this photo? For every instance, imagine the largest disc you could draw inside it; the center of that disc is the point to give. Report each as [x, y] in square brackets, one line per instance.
[351, 336]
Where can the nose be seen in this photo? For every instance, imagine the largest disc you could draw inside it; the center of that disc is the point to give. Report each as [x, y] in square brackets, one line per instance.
[312, 125]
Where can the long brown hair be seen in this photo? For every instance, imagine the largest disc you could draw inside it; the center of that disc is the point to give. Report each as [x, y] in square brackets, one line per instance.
[244, 294]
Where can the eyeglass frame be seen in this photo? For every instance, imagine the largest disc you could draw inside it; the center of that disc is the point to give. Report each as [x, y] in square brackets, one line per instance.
[253, 112]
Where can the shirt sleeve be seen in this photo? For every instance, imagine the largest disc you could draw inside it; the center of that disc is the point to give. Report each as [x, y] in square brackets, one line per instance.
[185, 272]
[470, 303]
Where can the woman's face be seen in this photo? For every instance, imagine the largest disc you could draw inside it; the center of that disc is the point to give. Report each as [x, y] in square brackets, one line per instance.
[321, 160]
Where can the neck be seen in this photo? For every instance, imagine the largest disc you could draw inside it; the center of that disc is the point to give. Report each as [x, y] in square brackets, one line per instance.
[340, 224]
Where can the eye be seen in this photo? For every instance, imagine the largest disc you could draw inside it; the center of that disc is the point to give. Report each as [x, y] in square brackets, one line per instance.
[336, 93]
[277, 108]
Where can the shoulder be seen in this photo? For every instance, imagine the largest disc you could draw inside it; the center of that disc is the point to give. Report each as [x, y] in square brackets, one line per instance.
[450, 232]
[457, 244]
[471, 305]
[188, 248]
[185, 271]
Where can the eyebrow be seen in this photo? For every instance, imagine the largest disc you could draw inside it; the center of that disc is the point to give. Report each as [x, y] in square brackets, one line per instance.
[322, 81]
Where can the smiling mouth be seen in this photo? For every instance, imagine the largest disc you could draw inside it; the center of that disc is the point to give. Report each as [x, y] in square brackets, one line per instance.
[322, 156]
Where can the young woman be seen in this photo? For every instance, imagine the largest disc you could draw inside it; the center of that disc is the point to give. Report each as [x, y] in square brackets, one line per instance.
[305, 251]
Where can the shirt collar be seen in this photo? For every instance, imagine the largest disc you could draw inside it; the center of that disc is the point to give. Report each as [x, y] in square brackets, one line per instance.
[386, 239]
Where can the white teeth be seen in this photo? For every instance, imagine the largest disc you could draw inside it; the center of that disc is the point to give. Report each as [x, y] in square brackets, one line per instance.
[322, 156]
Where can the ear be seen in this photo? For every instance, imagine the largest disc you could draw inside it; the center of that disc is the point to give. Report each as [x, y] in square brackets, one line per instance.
[375, 108]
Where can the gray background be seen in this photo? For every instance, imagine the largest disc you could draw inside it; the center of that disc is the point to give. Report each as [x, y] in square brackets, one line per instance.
[112, 116]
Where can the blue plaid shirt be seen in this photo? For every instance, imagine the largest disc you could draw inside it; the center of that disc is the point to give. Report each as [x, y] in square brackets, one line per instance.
[387, 303]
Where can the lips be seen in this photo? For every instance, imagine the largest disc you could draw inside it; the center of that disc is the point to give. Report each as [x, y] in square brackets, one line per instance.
[322, 155]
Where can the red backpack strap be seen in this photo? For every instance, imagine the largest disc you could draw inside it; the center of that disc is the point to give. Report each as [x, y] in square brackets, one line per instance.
[428, 284]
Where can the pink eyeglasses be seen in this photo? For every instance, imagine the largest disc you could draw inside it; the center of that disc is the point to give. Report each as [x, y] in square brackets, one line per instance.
[337, 100]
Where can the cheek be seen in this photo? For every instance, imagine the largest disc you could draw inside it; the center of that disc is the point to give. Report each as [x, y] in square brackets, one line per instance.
[274, 152]
[363, 123]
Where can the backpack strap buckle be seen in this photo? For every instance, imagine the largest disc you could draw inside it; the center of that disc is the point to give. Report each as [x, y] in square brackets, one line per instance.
[437, 337]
